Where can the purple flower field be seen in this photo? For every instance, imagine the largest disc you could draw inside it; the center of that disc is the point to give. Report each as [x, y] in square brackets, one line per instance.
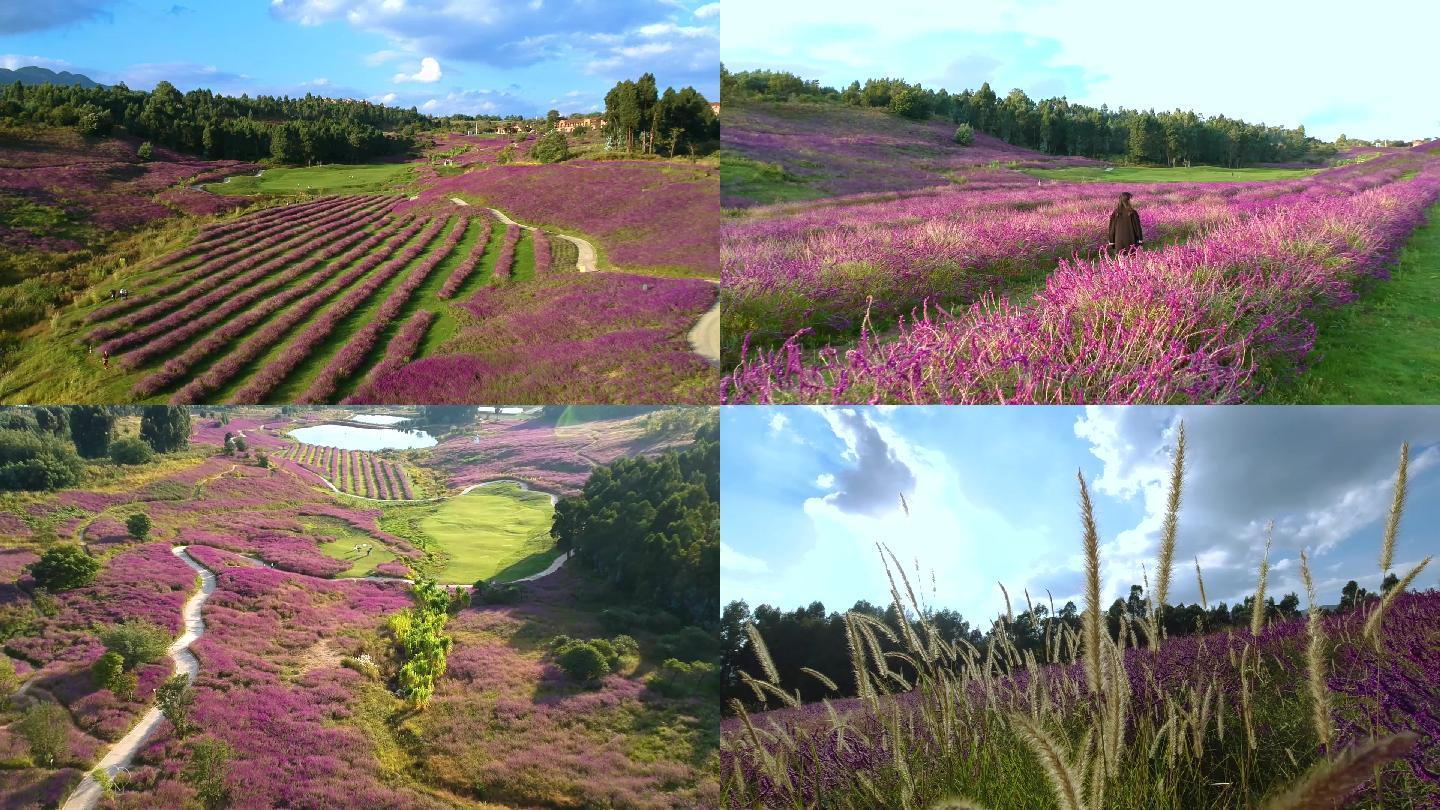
[1220, 311]
[575, 338]
[297, 663]
[644, 216]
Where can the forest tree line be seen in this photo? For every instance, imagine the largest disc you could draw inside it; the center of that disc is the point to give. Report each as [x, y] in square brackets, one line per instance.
[298, 131]
[44, 448]
[1055, 126]
[650, 527]
[809, 637]
[648, 122]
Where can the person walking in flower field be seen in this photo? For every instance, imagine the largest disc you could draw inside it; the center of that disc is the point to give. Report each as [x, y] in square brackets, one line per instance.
[1125, 230]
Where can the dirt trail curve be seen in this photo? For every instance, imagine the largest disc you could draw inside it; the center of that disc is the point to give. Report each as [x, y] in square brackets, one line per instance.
[87, 794]
[704, 337]
[585, 263]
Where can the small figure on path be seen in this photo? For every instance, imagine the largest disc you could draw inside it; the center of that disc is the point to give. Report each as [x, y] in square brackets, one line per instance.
[105, 359]
[1125, 226]
[112, 295]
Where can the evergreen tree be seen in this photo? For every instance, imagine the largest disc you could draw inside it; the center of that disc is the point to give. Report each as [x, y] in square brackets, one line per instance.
[91, 428]
[166, 428]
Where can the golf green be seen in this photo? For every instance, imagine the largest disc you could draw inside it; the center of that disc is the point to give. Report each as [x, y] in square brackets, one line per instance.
[495, 532]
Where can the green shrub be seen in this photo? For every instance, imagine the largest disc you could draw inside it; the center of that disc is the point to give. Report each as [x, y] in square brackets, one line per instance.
[46, 728]
[107, 671]
[551, 147]
[146, 151]
[583, 662]
[964, 135]
[130, 450]
[138, 525]
[64, 567]
[34, 462]
[492, 593]
[175, 698]
[688, 644]
[136, 641]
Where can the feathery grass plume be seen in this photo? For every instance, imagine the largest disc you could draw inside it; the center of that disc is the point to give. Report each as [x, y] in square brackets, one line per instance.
[863, 688]
[1164, 560]
[1092, 587]
[1257, 611]
[1329, 783]
[958, 804]
[1372, 624]
[1397, 508]
[762, 654]
[1009, 612]
[1069, 790]
[821, 677]
[1204, 603]
[1315, 660]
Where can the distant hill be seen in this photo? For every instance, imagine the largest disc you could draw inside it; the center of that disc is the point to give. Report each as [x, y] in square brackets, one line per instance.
[39, 75]
[784, 151]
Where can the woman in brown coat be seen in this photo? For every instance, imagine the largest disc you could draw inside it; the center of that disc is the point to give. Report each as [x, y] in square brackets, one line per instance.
[1125, 226]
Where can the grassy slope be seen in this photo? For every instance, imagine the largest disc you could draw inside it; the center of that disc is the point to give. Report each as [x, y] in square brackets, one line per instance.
[1384, 348]
[342, 547]
[332, 179]
[1160, 174]
[497, 531]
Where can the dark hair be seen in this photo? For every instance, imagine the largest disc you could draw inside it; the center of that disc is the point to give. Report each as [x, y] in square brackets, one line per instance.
[1123, 206]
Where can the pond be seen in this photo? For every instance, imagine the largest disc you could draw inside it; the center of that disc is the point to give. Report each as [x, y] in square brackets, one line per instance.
[349, 437]
[377, 419]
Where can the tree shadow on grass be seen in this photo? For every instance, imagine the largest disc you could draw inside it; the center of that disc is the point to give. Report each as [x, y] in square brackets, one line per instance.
[527, 566]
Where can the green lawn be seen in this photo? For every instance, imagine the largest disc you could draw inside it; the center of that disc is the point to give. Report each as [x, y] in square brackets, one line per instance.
[343, 546]
[763, 182]
[332, 179]
[1384, 348]
[499, 531]
[1152, 174]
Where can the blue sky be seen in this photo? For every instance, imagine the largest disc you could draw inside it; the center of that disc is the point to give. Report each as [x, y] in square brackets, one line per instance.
[992, 497]
[1357, 70]
[443, 56]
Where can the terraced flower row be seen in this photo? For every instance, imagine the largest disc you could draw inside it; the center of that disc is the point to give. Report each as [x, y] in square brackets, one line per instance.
[355, 472]
[1193, 322]
[259, 301]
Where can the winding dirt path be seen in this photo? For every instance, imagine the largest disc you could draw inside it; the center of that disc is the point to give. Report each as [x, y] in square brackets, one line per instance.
[704, 337]
[88, 793]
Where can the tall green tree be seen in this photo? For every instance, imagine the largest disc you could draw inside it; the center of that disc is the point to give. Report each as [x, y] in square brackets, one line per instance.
[166, 428]
[91, 428]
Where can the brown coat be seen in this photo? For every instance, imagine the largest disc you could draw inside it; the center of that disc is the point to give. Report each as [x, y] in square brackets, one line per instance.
[1125, 229]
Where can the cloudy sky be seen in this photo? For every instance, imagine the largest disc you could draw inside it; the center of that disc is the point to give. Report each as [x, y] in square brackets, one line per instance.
[1287, 63]
[443, 56]
[992, 496]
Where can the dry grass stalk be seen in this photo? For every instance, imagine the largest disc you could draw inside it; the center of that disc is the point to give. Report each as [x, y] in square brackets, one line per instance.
[1257, 611]
[1092, 622]
[1397, 508]
[1069, 791]
[1204, 603]
[1315, 660]
[1329, 783]
[762, 654]
[1168, 528]
[1372, 624]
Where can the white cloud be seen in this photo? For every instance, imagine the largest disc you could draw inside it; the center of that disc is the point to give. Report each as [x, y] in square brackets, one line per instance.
[431, 104]
[320, 82]
[381, 57]
[825, 481]
[778, 422]
[707, 11]
[428, 73]
[388, 98]
[733, 562]
[13, 61]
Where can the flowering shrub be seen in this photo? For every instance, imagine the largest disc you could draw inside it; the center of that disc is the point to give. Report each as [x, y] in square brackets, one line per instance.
[1191, 322]
[587, 338]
